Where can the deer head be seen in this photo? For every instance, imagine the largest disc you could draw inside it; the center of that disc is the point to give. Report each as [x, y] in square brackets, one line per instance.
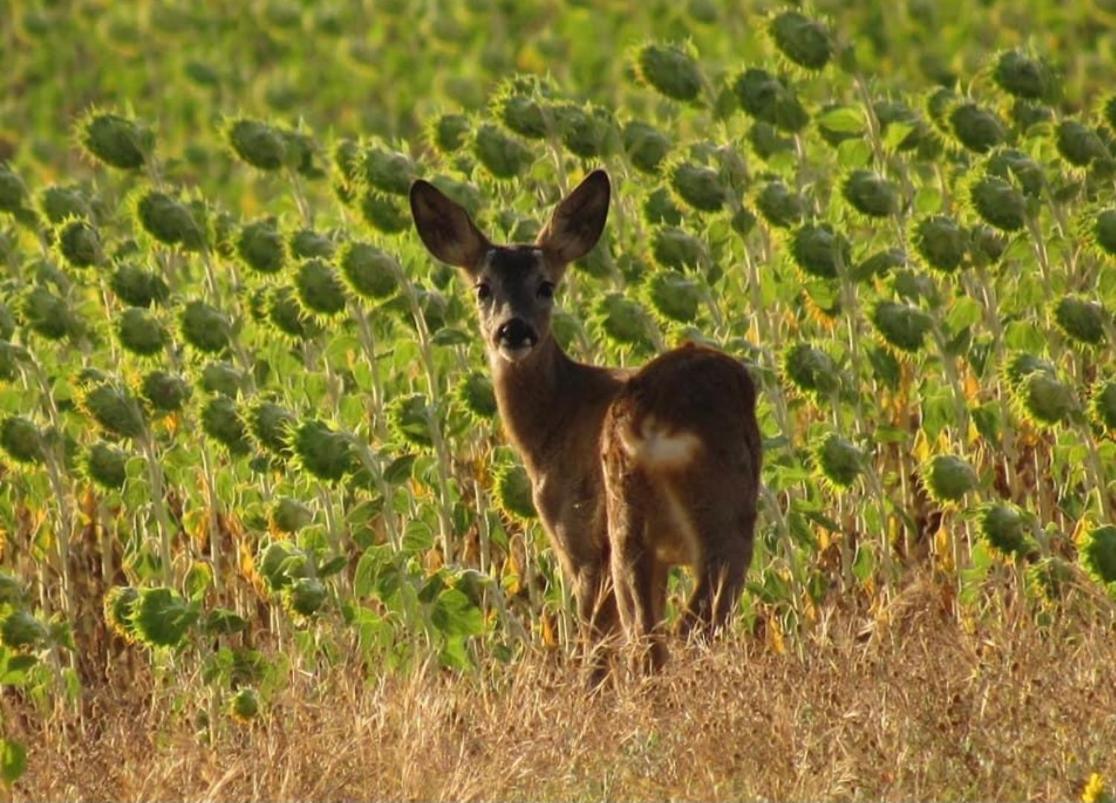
[514, 285]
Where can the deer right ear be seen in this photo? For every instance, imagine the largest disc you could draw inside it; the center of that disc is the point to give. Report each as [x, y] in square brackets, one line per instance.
[446, 229]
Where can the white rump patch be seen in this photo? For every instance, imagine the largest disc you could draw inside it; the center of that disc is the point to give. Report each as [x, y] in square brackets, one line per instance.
[658, 451]
[656, 447]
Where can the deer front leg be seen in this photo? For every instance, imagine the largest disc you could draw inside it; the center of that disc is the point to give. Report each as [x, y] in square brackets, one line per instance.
[577, 528]
[598, 618]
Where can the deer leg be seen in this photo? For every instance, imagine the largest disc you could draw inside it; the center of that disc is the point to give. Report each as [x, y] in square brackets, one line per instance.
[720, 577]
[599, 618]
[638, 576]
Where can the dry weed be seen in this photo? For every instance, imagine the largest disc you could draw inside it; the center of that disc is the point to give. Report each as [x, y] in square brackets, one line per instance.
[919, 708]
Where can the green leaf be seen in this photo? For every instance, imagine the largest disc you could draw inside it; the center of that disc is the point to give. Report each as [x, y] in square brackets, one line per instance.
[136, 493]
[433, 586]
[199, 579]
[973, 576]
[13, 760]
[393, 591]
[455, 654]
[897, 131]
[222, 621]
[864, 564]
[332, 566]
[368, 569]
[938, 410]
[959, 344]
[843, 120]
[889, 434]
[455, 615]
[885, 366]
[399, 471]
[13, 671]
[987, 420]
[340, 347]
[374, 631]
[854, 153]
[451, 337]
[965, 312]
[417, 537]
[928, 200]
[823, 520]
[1024, 336]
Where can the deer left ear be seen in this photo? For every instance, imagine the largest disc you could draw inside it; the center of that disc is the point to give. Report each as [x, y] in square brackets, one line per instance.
[577, 223]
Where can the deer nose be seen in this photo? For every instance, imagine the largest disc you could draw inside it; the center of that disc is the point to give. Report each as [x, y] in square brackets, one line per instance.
[515, 333]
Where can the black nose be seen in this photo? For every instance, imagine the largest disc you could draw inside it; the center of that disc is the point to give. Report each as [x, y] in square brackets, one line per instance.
[516, 333]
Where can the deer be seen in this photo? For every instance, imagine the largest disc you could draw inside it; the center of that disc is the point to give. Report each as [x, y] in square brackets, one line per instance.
[633, 471]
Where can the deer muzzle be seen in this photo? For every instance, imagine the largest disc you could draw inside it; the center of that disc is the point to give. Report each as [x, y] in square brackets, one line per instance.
[514, 339]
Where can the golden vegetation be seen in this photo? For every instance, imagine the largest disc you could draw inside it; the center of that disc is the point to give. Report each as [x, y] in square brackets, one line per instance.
[920, 707]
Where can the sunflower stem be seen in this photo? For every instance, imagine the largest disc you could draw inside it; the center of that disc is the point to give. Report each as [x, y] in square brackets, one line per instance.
[155, 477]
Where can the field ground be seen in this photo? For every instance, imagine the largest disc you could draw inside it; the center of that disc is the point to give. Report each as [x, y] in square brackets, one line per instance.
[905, 704]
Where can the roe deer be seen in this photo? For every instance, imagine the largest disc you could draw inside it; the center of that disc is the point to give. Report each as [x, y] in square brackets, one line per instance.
[631, 471]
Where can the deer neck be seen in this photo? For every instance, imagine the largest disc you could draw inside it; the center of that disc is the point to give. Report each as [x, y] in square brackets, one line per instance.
[540, 399]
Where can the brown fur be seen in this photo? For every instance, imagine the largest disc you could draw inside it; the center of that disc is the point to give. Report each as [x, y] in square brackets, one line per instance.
[631, 472]
[692, 389]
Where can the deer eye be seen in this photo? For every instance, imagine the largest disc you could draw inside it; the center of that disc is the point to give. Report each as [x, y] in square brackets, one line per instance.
[546, 290]
[483, 291]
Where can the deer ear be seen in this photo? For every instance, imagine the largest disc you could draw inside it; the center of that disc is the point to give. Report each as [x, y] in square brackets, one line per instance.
[446, 229]
[577, 223]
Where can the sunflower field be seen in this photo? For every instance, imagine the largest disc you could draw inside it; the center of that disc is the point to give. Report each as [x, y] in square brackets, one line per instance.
[247, 428]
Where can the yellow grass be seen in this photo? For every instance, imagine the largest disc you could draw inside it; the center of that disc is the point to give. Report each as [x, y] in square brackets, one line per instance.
[918, 708]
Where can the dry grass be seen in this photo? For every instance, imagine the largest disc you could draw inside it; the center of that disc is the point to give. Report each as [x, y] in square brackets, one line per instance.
[917, 709]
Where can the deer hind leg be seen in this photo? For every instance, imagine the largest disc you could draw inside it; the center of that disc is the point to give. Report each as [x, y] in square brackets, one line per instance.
[639, 578]
[720, 578]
